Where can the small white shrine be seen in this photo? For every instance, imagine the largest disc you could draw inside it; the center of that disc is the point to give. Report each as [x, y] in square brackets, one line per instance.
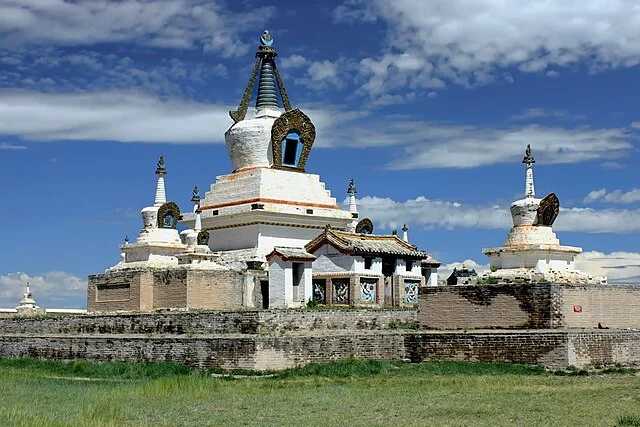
[27, 305]
[532, 252]
[268, 200]
[159, 244]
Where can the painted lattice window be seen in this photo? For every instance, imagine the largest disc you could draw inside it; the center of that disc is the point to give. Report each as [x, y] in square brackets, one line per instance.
[368, 290]
[340, 291]
[411, 291]
[320, 291]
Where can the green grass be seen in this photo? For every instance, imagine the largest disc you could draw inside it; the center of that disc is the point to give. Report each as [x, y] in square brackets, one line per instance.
[350, 392]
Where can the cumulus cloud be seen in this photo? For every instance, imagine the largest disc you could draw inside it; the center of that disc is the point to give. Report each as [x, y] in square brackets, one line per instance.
[616, 196]
[469, 42]
[426, 213]
[181, 24]
[445, 270]
[619, 267]
[55, 289]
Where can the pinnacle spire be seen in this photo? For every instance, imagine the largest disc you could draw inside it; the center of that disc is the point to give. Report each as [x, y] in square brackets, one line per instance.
[353, 207]
[161, 196]
[529, 188]
[269, 78]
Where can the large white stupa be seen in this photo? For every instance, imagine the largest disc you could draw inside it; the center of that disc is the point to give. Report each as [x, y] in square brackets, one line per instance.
[268, 200]
[532, 252]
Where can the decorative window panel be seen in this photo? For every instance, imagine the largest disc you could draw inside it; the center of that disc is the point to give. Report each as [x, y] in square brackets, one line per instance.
[340, 291]
[368, 290]
[411, 291]
[113, 292]
[320, 291]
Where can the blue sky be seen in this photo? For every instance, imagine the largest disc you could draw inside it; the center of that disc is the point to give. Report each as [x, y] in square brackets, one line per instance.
[428, 105]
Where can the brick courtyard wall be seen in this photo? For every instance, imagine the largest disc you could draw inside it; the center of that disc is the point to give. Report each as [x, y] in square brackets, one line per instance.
[230, 322]
[485, 307]
[584, 306]
[604, 348]
[170, 288]
[214, 289]
[553, 349]
[114, 291]
[548, 348]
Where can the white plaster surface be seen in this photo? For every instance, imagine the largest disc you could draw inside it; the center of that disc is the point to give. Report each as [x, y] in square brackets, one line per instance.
[249, 143]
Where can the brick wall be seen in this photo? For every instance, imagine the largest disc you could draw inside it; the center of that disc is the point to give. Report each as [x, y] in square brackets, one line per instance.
[486, 306]
[584, 306]
[604, 347]
[170, 288]
[101, 298]
[247, 322]
[548, 348]
[215, 290]
[553, 349]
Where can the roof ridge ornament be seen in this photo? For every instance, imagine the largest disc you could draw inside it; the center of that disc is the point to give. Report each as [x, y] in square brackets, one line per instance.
[267, 97]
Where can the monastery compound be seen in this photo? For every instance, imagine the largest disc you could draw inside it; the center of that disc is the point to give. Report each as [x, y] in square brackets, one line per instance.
[271, 273]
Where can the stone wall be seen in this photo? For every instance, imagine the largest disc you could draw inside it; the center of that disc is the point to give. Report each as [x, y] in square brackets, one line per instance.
[153, 289]
[238, 322]
[485, 307]
[604, 348]
[584, 306]
[553, 349]
[548, 348]
[217, 290]
[530, 306]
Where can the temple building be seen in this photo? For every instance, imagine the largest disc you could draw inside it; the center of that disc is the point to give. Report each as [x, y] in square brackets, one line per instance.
[247, 240]
[532, 252]
[362, 269]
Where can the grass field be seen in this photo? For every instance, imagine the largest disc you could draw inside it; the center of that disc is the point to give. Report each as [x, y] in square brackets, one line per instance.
[349, 393]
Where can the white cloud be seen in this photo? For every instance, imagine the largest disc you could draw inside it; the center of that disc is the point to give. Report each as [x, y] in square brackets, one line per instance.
[426, 213]
[616, 196]
[7, 146]
[293, 61]
[469, 42]
[429, 145]
[55, 289]
[119, 116]
[182, 24]
[619, 267]
[539, 113]
[445, 270]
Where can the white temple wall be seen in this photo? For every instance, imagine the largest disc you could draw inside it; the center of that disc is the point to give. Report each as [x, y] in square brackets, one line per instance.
[228, 239]
[376, 265]
[280, 278]
[540, 260]
[271, 236]
[401, 268]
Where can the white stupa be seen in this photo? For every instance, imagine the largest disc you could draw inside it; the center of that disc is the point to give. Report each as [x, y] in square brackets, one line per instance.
[269, 200]
[27, 305]
[159, 244]
[532, 252]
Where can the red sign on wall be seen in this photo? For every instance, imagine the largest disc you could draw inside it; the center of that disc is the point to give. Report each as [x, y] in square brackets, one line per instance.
[577, 309]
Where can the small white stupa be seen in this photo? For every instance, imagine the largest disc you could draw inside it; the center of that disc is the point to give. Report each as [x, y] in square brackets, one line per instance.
[532, 252]
[159, 244]
[28, 305]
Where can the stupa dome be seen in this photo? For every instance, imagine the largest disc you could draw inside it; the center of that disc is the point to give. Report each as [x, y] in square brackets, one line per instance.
[249, 141]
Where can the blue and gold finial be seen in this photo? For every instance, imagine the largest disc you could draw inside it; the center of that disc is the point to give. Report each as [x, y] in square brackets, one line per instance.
[266, 38]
